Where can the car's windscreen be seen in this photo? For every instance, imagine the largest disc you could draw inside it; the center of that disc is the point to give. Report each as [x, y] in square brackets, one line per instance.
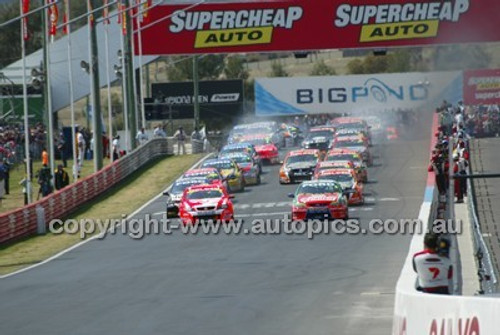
[345, 144]
[234, 149]
[219, 165]
[320, 133]
[258, 141]
[355, 125]
[180, 186]
[319, 188]
[242, 159]
[339, 157]
[204, 194]
[337, 177]
[301, 159]
[259, 130]
[336, 166]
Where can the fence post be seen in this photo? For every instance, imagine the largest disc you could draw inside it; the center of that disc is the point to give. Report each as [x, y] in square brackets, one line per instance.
[40, 220]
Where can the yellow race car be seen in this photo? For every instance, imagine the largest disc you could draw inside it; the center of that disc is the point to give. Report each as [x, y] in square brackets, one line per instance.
[229, 171]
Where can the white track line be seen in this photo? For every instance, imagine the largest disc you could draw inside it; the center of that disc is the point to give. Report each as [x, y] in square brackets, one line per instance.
[59, 254]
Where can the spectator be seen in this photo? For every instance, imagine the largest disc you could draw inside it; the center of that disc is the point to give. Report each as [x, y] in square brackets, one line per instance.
[61, 146]
[44, 177]
[141, 137]
[434, 271]
[81, 143]
[116, 147]
[159, 132]
[45, 157]
[2, 181]
[61, 178]
[180, 135]
[196, 135]
[24, 184]
[6, 170]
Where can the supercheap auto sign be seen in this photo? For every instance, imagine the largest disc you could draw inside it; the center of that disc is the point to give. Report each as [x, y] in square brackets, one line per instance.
[310, 25]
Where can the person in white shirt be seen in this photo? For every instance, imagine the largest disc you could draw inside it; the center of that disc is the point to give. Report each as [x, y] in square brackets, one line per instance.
[141, 137]
[159, 132]
[116, 147]
[80, 140]
[180, 135]
[434, 270]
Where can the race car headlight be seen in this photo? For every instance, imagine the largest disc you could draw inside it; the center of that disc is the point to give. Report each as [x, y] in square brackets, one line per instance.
[299, 205]
[187, 207]
[223, 206]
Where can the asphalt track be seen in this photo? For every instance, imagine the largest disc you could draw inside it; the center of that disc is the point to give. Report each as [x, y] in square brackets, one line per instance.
[246, 284]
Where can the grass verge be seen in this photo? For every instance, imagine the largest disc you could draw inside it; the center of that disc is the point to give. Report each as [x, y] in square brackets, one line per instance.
[124, 198]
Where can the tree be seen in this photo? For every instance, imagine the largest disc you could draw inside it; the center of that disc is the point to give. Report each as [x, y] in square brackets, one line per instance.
[10, 38]
[399, 61]
[235, 68]
[248, 87]
[277, 70]
[321, 69]
[355, 66]
[209, 67]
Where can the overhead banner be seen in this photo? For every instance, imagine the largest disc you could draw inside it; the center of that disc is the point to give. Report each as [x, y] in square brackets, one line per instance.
[216, 97]
[262, 26]
[356, 93]
[482, 87]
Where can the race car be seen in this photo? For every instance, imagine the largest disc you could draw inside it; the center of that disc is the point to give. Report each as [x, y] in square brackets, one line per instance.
[251, 171]
[312, 141]
[205, 203]
[352, 123]
[392, 133]
[354, 143]
[321, 166]
[351, 155]
[229, 170]
[211, 174]
[265, 148]
[174, 194]
[343, 133]
[319, 199]
[348, 180]
[298, 165]
[268, 128]
[243, 147]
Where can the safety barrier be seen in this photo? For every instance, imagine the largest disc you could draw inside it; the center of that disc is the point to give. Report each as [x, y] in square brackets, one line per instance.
[22, 222]
[417, 313]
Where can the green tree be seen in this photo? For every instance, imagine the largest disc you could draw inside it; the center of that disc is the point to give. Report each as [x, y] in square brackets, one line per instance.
[355, 66]
[248, 87]
[235, 68]
[10, 36]
[321, 69]
[399, 61]
[209, 67]
[277, 70]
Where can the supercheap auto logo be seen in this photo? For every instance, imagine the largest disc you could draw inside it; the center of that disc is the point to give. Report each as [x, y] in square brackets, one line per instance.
[387, 22]
[226, 28]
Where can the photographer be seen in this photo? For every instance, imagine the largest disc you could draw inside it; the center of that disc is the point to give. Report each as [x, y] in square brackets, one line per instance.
[433, 268]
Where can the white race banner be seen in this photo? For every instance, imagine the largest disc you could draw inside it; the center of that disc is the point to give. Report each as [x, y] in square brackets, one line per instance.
[356, 93]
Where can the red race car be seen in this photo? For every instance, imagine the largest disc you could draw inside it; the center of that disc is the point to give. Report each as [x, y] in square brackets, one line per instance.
[205, 203]
[319, 199]
[329, 165]
[266, 149]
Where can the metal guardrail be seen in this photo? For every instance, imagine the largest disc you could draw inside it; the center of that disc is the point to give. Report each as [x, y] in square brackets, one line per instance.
[486, 271]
